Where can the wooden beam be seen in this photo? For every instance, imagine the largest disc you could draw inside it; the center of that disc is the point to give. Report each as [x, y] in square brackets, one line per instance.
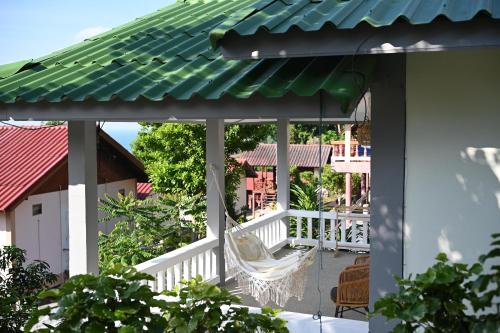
[256, 108]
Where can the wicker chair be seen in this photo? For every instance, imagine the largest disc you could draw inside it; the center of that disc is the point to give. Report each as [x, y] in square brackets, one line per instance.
[353, 290]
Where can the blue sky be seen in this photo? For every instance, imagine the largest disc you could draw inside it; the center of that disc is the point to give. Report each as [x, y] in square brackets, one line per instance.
[33, 28]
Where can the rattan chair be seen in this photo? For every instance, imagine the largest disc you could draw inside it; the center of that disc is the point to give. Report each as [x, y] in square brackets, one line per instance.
[352, 292]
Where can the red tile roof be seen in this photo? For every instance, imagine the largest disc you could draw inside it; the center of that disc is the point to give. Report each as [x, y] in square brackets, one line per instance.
[143, 190]
[26, 155]
[306, 156]
[29, 154]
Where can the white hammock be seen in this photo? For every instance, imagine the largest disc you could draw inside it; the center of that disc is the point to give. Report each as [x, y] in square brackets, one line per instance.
[258, 273]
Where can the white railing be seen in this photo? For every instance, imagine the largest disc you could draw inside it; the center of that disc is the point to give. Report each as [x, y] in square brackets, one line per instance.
[342, 231]
[197, 258]
[276, 230]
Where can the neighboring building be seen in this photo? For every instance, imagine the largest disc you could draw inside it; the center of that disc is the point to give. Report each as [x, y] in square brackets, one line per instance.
[261, 190]
[33, 188]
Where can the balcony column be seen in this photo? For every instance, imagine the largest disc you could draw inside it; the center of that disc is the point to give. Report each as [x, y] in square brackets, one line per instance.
[283, 173]
[82, 197]
[216, 222]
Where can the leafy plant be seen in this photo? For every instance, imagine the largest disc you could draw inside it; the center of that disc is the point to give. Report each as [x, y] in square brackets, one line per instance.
[19, 285]
[436, 300]
[116, 301]
[200, 307]
[144, 229]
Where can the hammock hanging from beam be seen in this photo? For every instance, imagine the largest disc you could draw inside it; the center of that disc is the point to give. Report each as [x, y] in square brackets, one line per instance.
[259, 273]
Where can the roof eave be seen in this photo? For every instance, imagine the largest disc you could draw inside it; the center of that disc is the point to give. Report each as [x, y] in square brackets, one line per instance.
[400, 37]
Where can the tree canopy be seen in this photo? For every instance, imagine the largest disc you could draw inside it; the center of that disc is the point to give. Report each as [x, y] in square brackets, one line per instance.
[174, 155]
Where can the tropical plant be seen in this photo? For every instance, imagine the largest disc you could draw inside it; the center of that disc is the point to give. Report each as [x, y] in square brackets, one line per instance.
[117, 301]
[19, 285]
[437, 300]
[200, 307]
[144, 229]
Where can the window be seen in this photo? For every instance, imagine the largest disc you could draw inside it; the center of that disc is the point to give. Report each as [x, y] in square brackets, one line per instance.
[37, 209]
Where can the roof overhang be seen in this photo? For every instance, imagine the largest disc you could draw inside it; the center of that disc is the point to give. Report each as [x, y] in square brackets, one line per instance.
[254, 109]
[400, 37]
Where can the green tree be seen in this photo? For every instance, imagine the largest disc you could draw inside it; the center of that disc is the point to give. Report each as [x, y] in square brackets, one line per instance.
[19, 286]
[174, 155]
[307, 133]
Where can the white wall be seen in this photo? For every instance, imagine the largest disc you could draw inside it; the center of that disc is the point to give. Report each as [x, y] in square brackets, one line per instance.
[241, 194]
[45, 236]
[453, 155]
[4, 232]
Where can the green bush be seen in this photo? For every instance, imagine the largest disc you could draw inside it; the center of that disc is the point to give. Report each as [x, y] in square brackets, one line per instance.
[117, 301]
[141, 232]
[200, 307]
[19, 285]
[88, 303]
[436, 300]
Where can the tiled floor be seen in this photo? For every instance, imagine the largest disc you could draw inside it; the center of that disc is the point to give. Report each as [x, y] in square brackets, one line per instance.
[332, 266]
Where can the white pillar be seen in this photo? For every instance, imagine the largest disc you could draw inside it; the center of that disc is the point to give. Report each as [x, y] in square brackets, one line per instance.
[216, 222]
[283, 162]
[82, 197]
[283, 173]
[347, 143]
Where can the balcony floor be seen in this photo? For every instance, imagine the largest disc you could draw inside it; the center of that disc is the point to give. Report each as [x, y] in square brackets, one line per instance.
[332, 266]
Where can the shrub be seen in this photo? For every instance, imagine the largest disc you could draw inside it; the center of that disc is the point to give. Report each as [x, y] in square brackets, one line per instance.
[145, 229]
[201, 307]
[436, 300]
[19, 285]
[89, 303]
[117, 301]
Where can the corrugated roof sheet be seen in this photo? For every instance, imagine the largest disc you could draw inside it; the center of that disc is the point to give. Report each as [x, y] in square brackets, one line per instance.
[26, 156]
[279, 16]
[301, 155]
[168, 53]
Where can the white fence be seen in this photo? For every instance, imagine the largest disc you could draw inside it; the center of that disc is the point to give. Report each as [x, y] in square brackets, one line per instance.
[276, 230]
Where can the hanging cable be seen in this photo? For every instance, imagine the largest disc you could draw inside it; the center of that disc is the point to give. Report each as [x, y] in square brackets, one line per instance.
[318, 315]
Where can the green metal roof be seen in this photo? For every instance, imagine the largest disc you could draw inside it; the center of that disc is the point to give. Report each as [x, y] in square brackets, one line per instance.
[279, 16]
[168, 54]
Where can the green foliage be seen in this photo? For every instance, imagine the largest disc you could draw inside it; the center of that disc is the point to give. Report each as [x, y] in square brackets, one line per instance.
[334, 182]
[305, 196]
[174, 155]
[19, 285]
[304, 133]
[116, 301]
[145, 229]
[200, 307]
[436, 300]
[88, 303]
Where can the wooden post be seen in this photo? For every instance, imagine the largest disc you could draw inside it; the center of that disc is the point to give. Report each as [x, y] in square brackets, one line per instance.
[216, 222]
[82, 197]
